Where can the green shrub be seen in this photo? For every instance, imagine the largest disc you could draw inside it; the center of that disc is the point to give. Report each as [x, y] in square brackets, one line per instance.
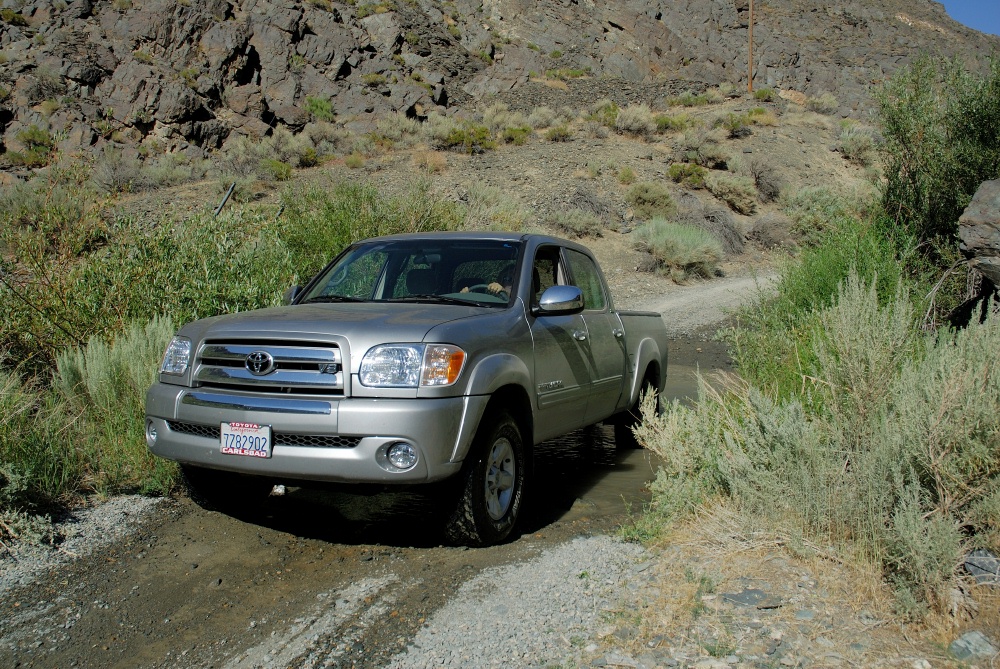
[650, 199]
[104, 384]
[626, 176]
[681, 250]
[765, 94]
[276, 169]
[318, 222]
[941, 126]
[555, 54]
[857, 143]
[558, 133]
[567, 73]
[517, 135]
[373, 80]
[321, 109]
[816, 211]
[13, 18]
[605, 112]
[687, 174]
[354, 161]
[771, 341]
[38, 147]
[468, 138]
[738, 192]
[737, 125]
[673, 122]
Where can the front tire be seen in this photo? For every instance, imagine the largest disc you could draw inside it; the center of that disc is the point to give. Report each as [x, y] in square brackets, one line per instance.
[492, 485]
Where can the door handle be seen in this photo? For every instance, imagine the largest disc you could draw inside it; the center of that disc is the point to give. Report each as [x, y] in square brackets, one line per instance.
[579, 335]
[618, 333]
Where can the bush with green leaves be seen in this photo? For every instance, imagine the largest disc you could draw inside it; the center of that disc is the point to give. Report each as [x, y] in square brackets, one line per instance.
[682, 251]
[604, 112]
[559, 133]
[765, 94]
[38, 146]
[467, 137]
[651, 199]
[104, 385]
[318, 223]
[674, 122]
[687, 174]
[941, 130]
[517, 135]
[320, 108]
[894, 464]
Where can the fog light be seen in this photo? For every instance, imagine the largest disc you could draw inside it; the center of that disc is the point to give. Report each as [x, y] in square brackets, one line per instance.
[150, 433]
[402, 455]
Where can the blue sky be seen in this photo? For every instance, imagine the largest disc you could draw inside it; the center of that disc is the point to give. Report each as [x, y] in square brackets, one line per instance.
[983, 15]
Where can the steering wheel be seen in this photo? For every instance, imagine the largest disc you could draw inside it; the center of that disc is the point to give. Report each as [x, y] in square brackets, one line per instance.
[484, 288]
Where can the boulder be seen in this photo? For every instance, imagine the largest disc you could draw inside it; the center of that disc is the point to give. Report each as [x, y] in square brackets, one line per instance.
[979, 231]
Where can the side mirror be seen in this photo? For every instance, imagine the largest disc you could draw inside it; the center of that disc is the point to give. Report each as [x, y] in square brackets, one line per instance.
[290, 295]
[559, 301]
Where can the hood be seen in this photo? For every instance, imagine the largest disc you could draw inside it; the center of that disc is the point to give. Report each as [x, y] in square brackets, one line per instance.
[362, 324]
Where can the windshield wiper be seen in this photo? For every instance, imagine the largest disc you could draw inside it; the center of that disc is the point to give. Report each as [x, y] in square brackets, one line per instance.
[439, 299]
[332, 298]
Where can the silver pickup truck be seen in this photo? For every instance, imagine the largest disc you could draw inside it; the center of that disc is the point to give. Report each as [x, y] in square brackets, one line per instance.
[409, 359]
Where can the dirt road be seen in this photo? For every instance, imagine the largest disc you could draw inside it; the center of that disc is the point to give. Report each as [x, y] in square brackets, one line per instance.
[325, 578]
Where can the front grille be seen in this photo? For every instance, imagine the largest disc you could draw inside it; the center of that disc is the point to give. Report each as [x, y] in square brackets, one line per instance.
[280, 438]
[271, 367]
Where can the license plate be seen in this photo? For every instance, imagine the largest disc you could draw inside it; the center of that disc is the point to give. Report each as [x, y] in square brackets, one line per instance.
[247, 439]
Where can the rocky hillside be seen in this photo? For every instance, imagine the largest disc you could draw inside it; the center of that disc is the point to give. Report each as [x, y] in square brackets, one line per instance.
[187, 75]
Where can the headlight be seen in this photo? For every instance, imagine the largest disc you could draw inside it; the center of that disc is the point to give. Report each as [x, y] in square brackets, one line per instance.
[410, 365]
[177, 356]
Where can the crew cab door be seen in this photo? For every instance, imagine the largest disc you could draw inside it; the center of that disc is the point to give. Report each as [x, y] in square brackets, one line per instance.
[561, 354]
[606, 338]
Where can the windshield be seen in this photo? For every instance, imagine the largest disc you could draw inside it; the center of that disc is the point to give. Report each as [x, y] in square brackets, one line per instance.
[481, 272]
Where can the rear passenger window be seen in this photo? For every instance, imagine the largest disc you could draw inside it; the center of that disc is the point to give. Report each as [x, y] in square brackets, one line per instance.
[587, 279]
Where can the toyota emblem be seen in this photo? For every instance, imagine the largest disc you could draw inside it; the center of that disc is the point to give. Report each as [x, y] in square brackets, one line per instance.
[259, 363]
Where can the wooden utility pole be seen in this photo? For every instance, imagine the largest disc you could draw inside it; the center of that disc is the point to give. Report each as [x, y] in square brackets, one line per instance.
[750, 58]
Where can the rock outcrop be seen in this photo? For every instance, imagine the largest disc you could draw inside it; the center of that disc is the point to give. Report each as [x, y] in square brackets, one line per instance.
[185, 75]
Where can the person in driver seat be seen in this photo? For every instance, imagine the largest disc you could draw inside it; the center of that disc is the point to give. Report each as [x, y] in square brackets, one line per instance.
[502, 285]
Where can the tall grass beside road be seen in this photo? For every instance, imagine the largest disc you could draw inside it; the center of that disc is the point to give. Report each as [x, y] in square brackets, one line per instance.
[856, 421]
[90, 299]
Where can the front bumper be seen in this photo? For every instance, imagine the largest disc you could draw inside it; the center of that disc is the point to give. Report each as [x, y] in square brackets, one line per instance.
[185, 422]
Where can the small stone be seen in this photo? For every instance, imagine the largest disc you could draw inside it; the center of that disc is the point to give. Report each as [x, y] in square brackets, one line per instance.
[972, 646]
[805, 614]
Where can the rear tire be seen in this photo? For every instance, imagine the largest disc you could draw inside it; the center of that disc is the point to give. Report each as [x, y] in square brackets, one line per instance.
[624, 435]
[492, 484]
[224, 491]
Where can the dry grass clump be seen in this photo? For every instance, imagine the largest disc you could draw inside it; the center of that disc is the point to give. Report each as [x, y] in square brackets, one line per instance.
[736, 191]
[434, 162]
[490, 208]
[824, 103]
[399, 129]
[857, 143]
[703, 147]
[681, 251]
[635, 120]
[764, 176]
[577, 223]
[542, 117]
